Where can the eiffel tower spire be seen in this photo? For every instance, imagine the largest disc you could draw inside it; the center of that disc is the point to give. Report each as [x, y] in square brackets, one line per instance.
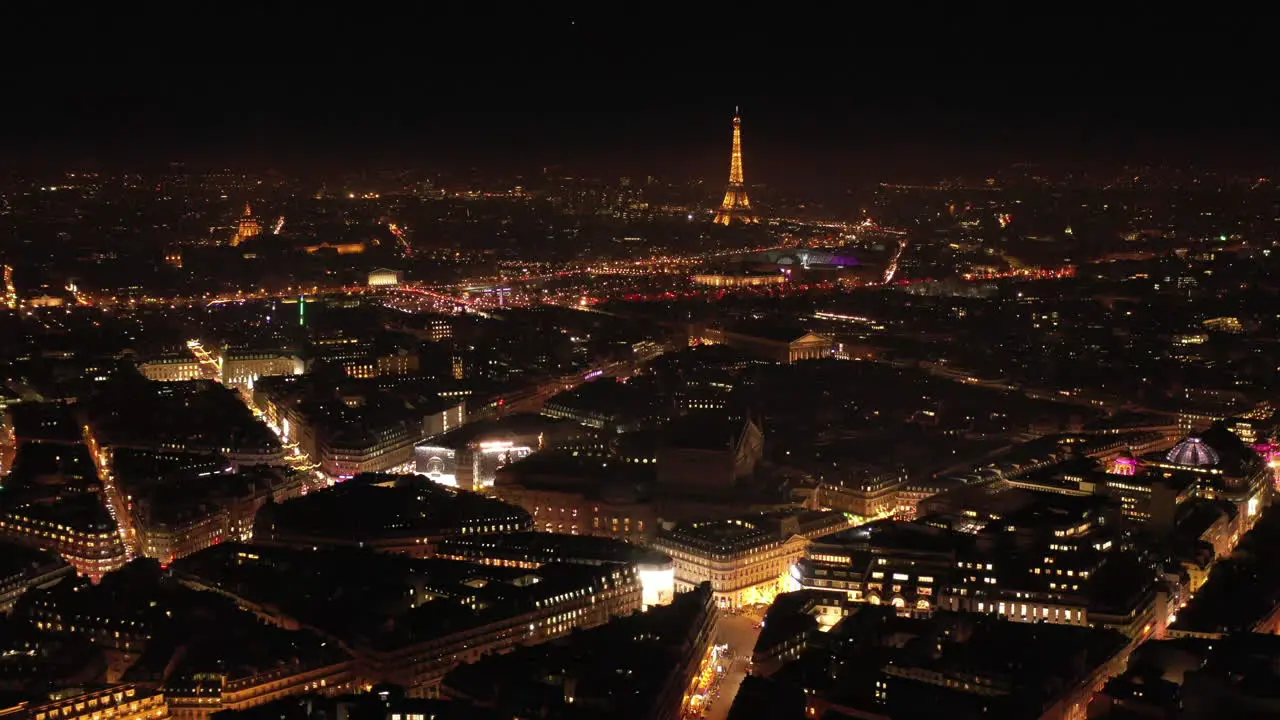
[735, 206]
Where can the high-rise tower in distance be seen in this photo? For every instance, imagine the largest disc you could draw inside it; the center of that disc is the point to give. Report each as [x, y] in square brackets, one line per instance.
[735, 207]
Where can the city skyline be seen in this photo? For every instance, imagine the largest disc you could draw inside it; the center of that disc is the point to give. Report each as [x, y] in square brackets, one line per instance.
[571, 436]
[636, 364]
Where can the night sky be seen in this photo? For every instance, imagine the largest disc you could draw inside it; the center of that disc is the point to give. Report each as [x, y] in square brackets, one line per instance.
[592, 100]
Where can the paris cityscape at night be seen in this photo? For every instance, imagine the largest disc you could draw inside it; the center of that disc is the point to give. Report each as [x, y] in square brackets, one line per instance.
[742, 408]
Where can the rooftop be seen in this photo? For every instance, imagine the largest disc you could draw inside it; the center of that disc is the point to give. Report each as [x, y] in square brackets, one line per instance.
[586, 472]
[50, 422]
[1243, 589]
[196, 415]
[915, 537]
[385, 601]
[50, 463]
[1021, 668]
[16, 560]
[625, 669]
[510, 427]
[745, 532]
[703, 433]
[774, 332]
[371, 507]
[549, 547]
[83, 512]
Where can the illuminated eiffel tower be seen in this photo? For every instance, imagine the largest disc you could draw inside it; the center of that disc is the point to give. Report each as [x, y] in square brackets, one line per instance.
[735, 207]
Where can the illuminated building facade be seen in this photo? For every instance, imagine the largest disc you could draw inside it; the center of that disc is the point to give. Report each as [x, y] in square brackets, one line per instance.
[437, 330]
[247, 227]
[349, 248]
[1145, 498]
[1218, 465]
[1228, 324]
[209, 522]
[344, 439]
[735, 207]
[10, 297]
[447, 417]
[719, 279]
[122, 702]
[79, 529]
[869, 493]
[474, 466]
[346, 454]
[901, 565]
[383, 277]
[200, 699]
[746, 559]
[398, 363]
[244, 367]
[781, 346]
[1059, 580]
[364, 358]
[172, 369]
[470, 456]
[1125, 465]
[169, 541]
[1061, 569]
[1253, 432]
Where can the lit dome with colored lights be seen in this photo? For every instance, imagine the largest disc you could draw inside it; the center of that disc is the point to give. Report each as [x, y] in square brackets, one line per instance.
[1124, 465]
[1193, 452]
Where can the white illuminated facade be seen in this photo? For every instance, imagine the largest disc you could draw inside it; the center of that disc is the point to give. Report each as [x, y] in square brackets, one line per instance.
[440, 464]
[383, 277]
[172, 369]
[489, 457]
[473, 467]
[657, 584]
[746, 559]
[245, 367]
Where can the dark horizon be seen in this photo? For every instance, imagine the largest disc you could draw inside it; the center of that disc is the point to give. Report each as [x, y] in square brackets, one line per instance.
[275, 119]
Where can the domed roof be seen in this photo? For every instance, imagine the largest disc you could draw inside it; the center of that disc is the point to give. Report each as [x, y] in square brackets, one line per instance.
[1193, 452]
[1126, 464]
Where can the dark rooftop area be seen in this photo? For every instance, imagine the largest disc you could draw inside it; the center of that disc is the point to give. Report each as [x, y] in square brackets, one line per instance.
[48, 422]
[765, 330]
[84, 512]
[382, 600]
[1243, 589]
[699, 432]
[17, 559]
[196, 414]
[620, 670]
[370, 507]
[521, 424]
[49, 463]
[547, 546]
